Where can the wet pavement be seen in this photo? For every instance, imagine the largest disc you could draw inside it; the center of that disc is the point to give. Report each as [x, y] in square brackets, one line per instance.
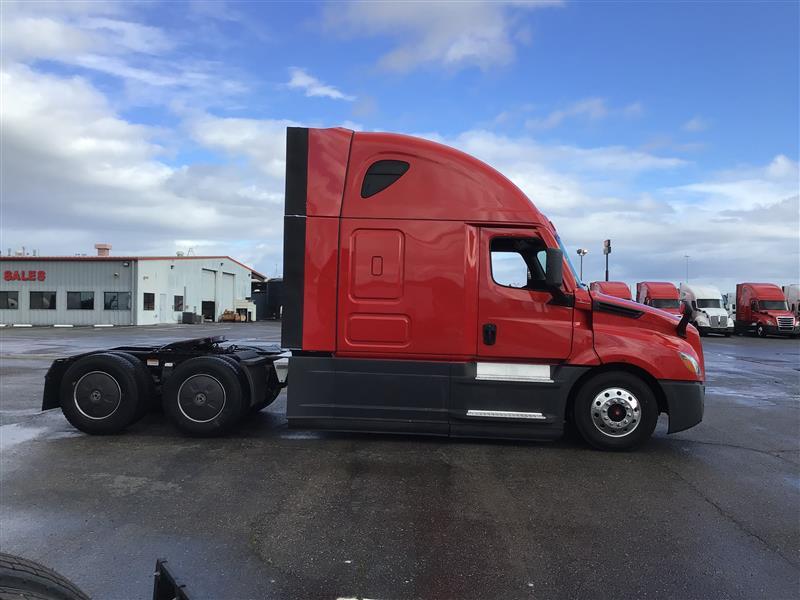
[712, 512]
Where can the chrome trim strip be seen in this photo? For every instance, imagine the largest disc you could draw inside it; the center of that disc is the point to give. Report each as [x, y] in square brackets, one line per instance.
[506, 414]
[513, 372]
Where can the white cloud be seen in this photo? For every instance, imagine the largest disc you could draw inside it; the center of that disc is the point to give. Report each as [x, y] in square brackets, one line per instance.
[300, 79]
[101, 37]
[95, 173]
[450, 34]
[593, 109]
[696, 124]
[263, 141]
[738, 225]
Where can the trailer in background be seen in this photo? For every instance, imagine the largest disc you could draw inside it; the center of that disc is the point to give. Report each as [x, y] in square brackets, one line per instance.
[618, 289]
[792, 295]
[659, 294]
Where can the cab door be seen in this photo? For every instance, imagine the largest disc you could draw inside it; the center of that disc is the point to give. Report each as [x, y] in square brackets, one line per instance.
[518, 317]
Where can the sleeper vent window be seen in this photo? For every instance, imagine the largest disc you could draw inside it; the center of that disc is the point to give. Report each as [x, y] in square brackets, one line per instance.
[381, 175]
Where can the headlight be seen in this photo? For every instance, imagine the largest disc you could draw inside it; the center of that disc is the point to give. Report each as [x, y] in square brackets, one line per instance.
[690, 362]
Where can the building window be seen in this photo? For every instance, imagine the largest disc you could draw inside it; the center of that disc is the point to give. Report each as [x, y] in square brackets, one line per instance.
[9, 300]
[117, 301]
[149, 301]
[80, 300]
[43, 300]
[177, 305]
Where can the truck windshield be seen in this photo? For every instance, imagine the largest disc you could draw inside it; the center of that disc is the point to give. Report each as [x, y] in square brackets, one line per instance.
[569, 262]
[773, 305]
[664, 303]
[708, 303]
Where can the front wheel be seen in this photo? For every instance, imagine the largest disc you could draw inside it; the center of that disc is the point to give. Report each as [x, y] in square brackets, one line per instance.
[761, 331]
[615, 411]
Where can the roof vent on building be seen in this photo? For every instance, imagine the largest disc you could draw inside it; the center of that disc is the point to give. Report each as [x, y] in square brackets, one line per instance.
[103, 249]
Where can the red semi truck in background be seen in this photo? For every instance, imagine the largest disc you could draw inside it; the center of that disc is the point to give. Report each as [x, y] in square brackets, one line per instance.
[659, 294]
[424, 293]
[761, 308]
[618, 289]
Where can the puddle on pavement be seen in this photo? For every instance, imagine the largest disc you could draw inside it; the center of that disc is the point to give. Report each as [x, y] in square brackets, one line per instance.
[19, 433]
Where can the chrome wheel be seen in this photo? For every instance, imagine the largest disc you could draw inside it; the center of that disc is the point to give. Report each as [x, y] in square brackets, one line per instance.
[201, 398]
[616, 412]
[97, 395]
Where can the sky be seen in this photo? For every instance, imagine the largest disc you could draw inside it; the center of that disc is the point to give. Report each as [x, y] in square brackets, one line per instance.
[671, 128]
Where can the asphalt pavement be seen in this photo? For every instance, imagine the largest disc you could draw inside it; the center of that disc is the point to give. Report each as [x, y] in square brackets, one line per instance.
[712, 512]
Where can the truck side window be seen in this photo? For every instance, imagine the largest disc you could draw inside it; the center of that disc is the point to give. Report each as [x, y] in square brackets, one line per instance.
[382, 174]
[518, 262]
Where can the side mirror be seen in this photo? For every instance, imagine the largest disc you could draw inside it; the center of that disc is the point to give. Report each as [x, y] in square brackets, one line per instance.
[686, 311]
[554, 269]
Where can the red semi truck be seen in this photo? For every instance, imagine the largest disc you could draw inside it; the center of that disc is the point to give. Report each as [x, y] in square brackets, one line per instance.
[424, 293]
[761, 308]
[659, 294]
[618, 289]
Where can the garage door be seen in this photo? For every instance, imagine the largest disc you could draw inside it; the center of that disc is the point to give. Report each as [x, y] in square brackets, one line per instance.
[226, 292]
[208, 291]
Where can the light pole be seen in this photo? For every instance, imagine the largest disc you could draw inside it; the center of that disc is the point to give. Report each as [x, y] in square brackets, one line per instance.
[582, 252]
[686, 256]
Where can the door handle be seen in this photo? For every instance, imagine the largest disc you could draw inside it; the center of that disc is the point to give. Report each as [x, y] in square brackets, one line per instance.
[489, 334]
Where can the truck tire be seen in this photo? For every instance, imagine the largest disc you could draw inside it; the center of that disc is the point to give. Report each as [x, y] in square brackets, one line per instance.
[615, 411]
[147, 389]
[242, 378]
[204, 396]
[699, 330]
[761, 331]
[23, 579]
[99, 394]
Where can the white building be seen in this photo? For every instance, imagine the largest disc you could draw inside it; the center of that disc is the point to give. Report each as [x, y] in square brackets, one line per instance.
[120, 290]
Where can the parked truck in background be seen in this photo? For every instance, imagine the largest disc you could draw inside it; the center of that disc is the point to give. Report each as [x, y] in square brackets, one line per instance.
[708, 314]
[618, 289]
[792, 295]
[659, 294]
[423, 293]
[729, 304]
[761, 308]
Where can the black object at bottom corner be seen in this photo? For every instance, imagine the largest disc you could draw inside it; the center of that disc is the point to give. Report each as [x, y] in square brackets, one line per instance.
[166, 585]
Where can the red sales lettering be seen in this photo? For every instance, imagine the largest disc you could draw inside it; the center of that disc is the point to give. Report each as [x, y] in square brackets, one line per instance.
[24, 275]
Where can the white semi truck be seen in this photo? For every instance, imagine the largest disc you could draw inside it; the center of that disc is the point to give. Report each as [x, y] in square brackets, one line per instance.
[792, 295]
[708, 312]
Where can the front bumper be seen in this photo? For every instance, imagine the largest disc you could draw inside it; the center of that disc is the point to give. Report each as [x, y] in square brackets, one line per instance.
[685, 403]
[775, 330]
[718, 330]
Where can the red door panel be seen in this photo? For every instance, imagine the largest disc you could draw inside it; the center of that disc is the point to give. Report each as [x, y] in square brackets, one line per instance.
[407, 288]
[527, 325]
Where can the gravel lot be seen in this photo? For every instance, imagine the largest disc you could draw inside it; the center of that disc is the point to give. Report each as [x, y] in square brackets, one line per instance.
[276, 513]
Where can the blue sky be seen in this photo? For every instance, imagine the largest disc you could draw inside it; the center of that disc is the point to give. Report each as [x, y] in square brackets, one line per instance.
[670, 127]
